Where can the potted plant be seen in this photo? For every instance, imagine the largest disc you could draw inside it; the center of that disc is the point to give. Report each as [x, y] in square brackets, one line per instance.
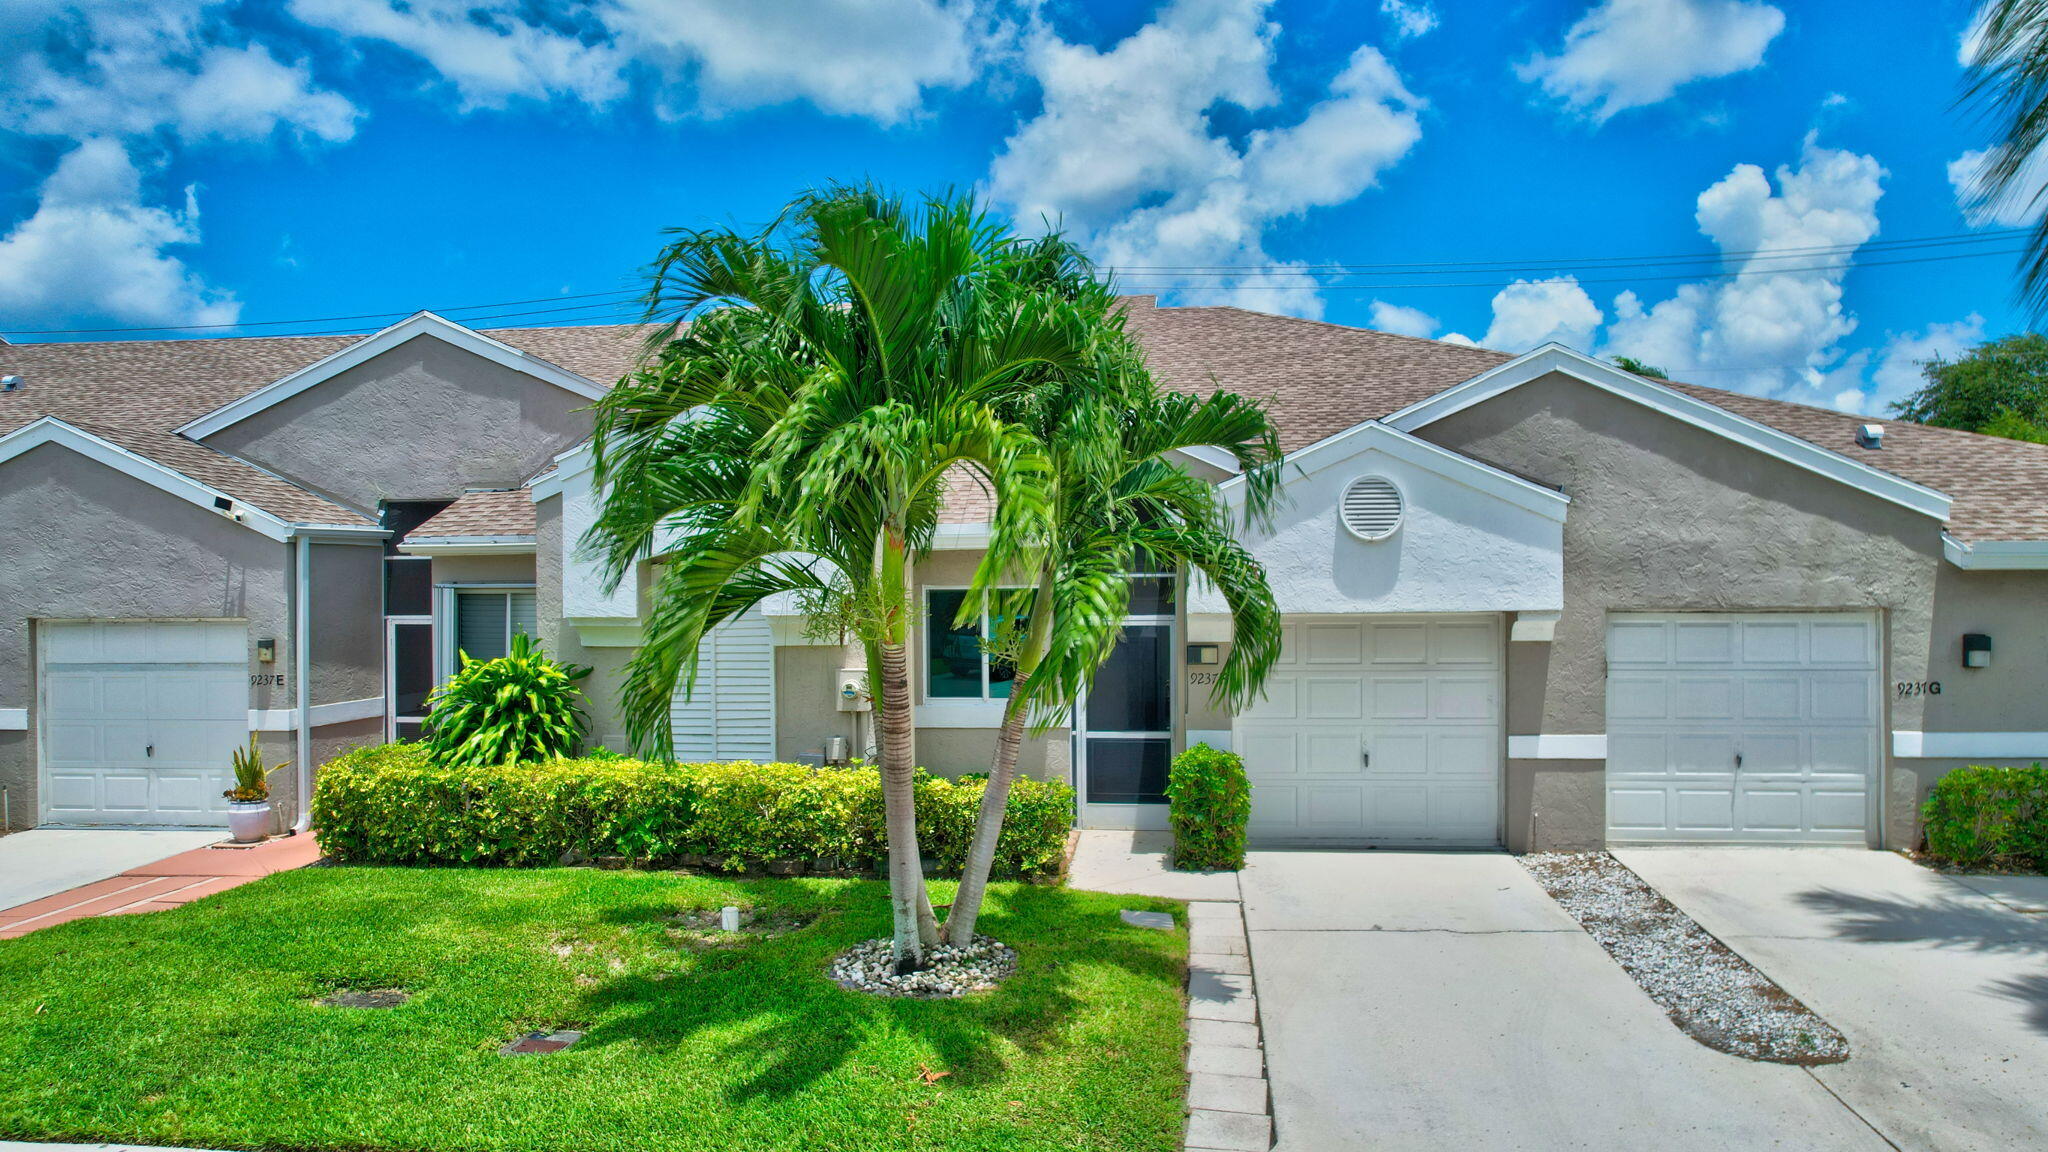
[249, 799]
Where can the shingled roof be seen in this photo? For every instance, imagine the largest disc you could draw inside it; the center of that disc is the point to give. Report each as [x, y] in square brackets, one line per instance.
[1319, 378]
[497, 512]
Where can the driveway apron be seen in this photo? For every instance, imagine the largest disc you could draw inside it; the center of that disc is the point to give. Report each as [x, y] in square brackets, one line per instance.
[1940, 983]
[1441, 1000]
[45, 861]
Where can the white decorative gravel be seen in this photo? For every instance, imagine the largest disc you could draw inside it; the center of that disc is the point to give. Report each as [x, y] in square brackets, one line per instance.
[949, 971]
[1712, 994]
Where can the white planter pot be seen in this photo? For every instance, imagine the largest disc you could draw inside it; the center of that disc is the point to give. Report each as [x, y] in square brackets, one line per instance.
[249, 820]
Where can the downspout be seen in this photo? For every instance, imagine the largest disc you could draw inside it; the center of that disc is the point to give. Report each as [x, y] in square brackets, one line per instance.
[302, 670]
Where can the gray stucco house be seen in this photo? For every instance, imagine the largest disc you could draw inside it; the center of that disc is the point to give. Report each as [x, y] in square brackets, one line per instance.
[1532, 601]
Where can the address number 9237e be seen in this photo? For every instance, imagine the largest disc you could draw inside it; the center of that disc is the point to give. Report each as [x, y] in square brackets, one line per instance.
[1918, 688]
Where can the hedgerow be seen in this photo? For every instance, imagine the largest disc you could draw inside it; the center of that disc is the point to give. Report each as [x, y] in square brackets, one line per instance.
[1983, 816]
[391, 804]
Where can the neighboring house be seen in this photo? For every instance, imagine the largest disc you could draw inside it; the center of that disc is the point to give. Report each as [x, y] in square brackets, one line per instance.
[1530, 601]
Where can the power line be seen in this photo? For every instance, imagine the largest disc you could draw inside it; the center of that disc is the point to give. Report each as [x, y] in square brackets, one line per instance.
[622, 305]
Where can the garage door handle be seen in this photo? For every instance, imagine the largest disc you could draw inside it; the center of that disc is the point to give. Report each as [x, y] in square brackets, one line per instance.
[1738, 759]
[149, 750]
[1365, 757]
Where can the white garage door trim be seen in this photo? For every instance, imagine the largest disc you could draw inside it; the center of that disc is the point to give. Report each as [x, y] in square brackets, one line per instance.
[1757, 727]
[137, 719]
[1383, 730]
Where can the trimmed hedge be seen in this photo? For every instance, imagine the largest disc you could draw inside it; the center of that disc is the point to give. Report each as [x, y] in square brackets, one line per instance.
[1209, 800]
[1982, 816]
[391, 805]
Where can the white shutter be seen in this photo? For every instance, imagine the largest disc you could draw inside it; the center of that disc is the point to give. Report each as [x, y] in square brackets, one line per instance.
[731, 715]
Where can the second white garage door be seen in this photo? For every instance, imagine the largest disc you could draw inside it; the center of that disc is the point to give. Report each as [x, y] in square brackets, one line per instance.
[1747, 728]
[139, 719]
[1381, 731]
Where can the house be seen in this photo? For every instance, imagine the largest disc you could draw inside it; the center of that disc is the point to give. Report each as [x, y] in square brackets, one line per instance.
[1531, 601]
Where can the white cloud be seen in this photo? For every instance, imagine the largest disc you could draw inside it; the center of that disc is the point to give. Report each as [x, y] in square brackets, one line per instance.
[1411, 18]
[2018, 207]
[871, 58]
[1402, 320]
[1775, 327]
[1123, 155]
[93, 249]
[130, 69]
[1530, 313]
[1631, 53]
[1898, 365]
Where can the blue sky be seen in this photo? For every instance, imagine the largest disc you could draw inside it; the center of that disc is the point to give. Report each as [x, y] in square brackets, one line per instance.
[190, 162]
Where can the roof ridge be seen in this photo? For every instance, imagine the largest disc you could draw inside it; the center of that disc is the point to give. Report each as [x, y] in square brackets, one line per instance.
[1978, 437]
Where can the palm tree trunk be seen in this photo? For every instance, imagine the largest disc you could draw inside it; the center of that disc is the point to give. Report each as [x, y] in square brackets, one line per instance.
[907, 900]
[995, 795]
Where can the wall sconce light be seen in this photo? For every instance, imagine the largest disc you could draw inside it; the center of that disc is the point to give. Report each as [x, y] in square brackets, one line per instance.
[266, 651]
[1202, 655]
[1976, 650]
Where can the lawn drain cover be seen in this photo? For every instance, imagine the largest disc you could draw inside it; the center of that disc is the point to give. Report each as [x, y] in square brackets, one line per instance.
[369, 998]
[540, 1043]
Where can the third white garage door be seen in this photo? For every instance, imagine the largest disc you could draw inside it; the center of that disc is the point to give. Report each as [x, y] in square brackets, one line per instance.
[1381, 731]
[1749, 728]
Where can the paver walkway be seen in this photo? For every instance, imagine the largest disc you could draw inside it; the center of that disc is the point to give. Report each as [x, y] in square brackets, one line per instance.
[166, 883]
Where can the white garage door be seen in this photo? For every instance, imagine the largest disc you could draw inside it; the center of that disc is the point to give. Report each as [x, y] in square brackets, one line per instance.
[1383, 731]
[1751, 728]
[139, 718]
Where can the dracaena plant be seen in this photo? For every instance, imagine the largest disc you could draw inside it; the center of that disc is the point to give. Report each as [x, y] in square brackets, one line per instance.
[252, 779]
[522, 706]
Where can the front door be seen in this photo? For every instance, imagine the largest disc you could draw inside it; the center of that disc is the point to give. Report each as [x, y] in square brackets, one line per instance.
[1123, 735]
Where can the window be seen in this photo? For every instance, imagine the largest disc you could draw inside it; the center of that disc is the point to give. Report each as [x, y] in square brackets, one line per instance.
[957, 663]
[485, 622]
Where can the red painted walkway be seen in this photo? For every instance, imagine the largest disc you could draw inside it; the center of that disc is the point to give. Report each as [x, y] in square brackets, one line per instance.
[168, 883]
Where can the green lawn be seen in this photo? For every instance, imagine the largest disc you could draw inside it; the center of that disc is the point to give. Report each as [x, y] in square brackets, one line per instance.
[199, 1026]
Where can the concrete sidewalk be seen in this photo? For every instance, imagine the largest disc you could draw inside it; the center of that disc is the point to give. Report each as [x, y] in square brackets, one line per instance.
[167, 883]
[1443, 1000]
[1940, 983]
[45, 861]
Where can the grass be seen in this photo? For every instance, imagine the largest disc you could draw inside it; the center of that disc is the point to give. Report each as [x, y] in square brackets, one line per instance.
[200, 1026]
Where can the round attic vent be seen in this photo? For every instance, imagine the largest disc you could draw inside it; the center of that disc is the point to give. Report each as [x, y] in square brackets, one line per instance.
[1371, 507]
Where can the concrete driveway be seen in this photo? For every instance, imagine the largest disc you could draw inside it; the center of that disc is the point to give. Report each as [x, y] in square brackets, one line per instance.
[1940, 984]
[1418, 1001]
[45, 861]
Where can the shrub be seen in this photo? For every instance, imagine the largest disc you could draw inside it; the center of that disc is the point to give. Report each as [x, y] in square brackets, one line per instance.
[1980, 816]
[521, 706]
[1209, 801]
[392, 804]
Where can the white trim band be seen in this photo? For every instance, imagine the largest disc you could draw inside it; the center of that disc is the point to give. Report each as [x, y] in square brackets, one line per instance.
[319, 715]
[1553, 746]
[467, 545]
[2006, 555]
[1963, 745]
[13, 719]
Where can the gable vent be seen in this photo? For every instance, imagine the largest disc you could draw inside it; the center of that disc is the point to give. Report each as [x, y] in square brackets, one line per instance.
[1371, 508]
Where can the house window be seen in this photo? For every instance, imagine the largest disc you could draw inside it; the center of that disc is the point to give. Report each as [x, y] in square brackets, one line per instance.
[486, 621]
[957, 662]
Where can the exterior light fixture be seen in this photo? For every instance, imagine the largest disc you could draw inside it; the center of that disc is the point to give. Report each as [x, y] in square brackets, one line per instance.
[1976, 650]
[266, 651]
[1202, 655]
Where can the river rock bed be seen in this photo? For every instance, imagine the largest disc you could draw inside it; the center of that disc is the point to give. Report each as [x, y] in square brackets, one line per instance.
[870, 966]
[1712, 994]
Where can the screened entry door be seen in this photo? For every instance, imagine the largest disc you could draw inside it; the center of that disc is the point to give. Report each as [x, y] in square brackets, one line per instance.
[1124, 730]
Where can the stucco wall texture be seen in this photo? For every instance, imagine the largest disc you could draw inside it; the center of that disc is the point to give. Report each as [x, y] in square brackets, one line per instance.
[1669, 517]
[86, 541]
[464, 422]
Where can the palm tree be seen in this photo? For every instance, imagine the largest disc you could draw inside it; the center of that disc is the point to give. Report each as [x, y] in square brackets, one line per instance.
[2008, 78]
[1108, 434]
[795, 436]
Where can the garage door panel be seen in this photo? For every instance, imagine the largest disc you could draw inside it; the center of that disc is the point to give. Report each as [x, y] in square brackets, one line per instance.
[1281, 702]
[1332, 698]
[1804, 726]
[1400, 699]
[1427, 696]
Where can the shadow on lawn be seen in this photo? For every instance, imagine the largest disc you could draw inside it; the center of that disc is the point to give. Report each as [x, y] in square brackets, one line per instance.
[798, 1025]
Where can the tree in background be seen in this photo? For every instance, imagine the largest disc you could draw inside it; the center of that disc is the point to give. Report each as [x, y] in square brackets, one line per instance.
[1999, 387]
[1631, 364]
